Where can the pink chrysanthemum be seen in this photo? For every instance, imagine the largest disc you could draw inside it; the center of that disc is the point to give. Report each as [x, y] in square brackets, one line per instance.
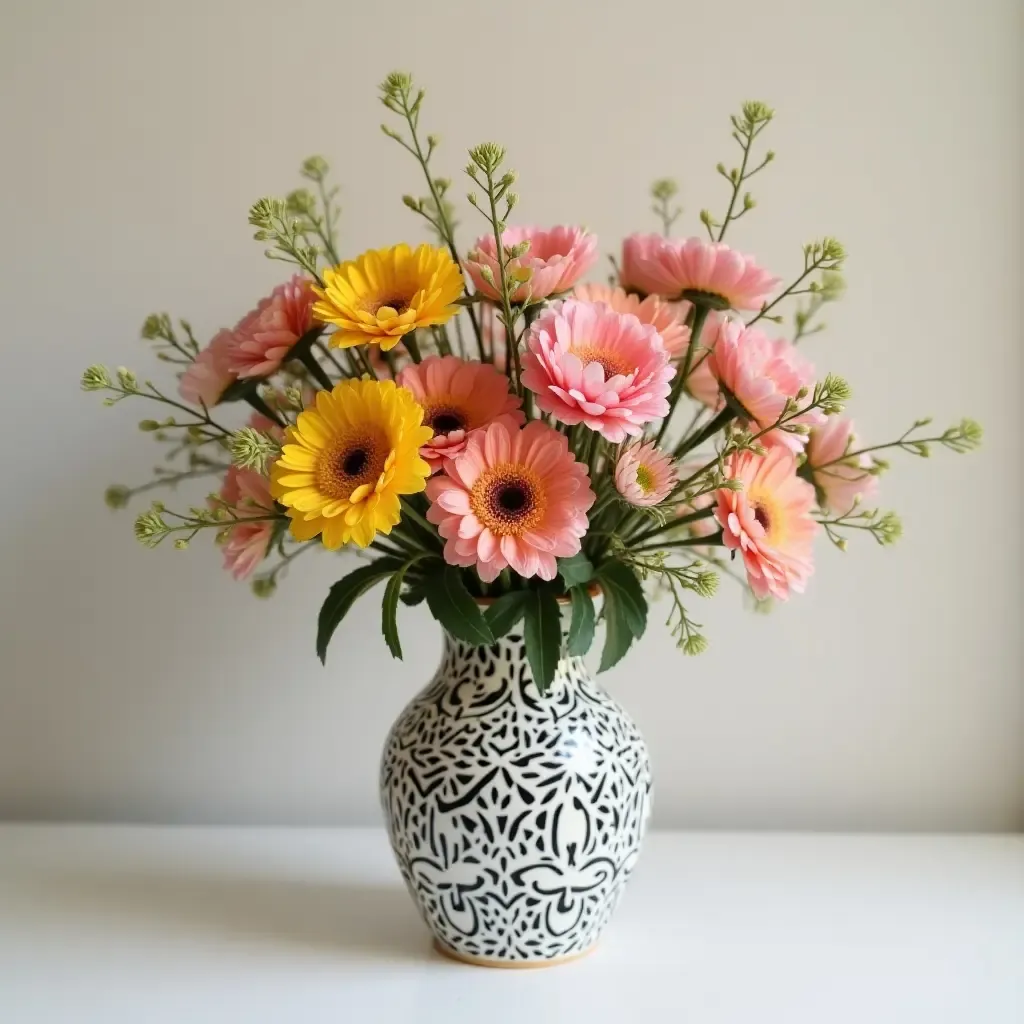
[458, 398]
[667, 318]
[264, 337]
[558, 257]
[696, 269]
[769, 522]
[762, 374]
[644, 474]
[210, 374]
[513, 498]
[839, 481]
[245, 544]
[588, 364]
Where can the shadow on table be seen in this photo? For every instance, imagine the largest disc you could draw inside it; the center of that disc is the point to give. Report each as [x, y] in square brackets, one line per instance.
[365, 921]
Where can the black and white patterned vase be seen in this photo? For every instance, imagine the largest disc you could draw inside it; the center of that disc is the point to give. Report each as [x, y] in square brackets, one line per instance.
[516, 819]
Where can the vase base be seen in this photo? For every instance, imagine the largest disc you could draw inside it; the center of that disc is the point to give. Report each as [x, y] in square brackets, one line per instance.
[511, 965]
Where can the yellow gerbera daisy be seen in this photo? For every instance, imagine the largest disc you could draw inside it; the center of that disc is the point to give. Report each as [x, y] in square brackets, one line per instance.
[346, 461]
[387, 293]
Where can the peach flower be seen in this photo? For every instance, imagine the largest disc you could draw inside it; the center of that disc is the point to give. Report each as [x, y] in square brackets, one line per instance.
[264, 337]
[245, 544]
[209, 375]
[514, 498]
[667, 318]
[762, 374]
[588, 364]
[558, 258]
[840, 482]
[696, 269]
[644, 474]
[458, 398]
[769, 522]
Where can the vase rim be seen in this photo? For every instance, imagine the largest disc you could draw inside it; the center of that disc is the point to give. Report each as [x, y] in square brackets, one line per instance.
[593, 589]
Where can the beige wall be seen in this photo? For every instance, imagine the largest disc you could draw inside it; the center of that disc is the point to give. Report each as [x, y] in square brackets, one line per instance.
[146, 685]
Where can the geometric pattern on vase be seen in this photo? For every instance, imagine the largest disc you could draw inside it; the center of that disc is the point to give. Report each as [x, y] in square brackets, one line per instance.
[516, 819]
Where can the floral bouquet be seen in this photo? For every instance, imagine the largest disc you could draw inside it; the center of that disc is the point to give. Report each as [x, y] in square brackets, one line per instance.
[495, 436]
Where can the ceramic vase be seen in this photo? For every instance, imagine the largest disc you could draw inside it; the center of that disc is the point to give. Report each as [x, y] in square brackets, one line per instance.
[516, 818]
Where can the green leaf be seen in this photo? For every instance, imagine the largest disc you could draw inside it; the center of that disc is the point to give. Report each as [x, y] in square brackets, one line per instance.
[543, 635]
[625, 611]
[389, 609]
[575, 570]
[344, 594]
[506, 611]
[453, 606]
[581, 627]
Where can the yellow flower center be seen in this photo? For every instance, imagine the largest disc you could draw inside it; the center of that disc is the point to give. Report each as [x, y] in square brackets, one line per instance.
[644, 479]
[352, 465]
[508, 499]
[611, 362]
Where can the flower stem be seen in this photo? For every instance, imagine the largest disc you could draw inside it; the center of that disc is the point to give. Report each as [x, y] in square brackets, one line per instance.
[721, 419]
[700, 314]
[413, 346]
[261, 407]
[316, 370]
[714, 540]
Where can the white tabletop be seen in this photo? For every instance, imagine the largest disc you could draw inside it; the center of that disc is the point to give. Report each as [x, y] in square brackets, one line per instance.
[186, 926]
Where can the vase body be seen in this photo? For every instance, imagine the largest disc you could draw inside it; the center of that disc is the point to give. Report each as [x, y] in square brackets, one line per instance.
[516, 819]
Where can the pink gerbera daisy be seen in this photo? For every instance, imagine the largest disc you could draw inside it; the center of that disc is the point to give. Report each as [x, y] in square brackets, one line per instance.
[667, 318]
[762, 374]
[769, 522]
[588, 364]
[513, 498]
[558, 257]
[644, 474]
[210, 374]
[693, 268]
[458, 398]
[245, 544]
[264, 337]
[638, 250]
[839, 481]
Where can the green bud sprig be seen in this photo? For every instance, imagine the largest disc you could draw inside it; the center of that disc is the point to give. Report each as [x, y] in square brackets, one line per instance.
[962, 437]
[831, 288]
[152, 527]
[201, 426]
[287, 232]
[826, 256]
[753, 118]
[484, 170]
[694, 577]
[663, 191]
[401, 97]
[885, 527]
[253, 449]
[158, 328]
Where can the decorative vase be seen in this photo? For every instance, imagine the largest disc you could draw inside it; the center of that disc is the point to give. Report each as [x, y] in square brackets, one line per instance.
[516, 818]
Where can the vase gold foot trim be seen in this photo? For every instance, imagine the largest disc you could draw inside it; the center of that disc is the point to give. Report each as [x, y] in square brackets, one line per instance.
[511, 965]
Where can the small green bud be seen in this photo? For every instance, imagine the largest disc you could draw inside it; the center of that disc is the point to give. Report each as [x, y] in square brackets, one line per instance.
[263, 586]
[148, 426]
[842, 543]
[487, 274]
[663, 189]
[511, 199]
[749, 202]
[442, 185]
[252, 449]
[801, 394]
[315, 168]
[472, 197]
[301, 202]
[487, 156]
[96, 378]
[695, 644]
[412, 202]
[181, 543]
[433, 141]
[519, 249]
[396, 85]
[150, 527]
[127, 379]
[116, 496]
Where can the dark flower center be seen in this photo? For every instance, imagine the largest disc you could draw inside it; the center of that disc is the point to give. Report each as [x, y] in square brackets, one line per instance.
[445, 422]
[354, 462]
[398, 304]
[762, 517]
[512, 498]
